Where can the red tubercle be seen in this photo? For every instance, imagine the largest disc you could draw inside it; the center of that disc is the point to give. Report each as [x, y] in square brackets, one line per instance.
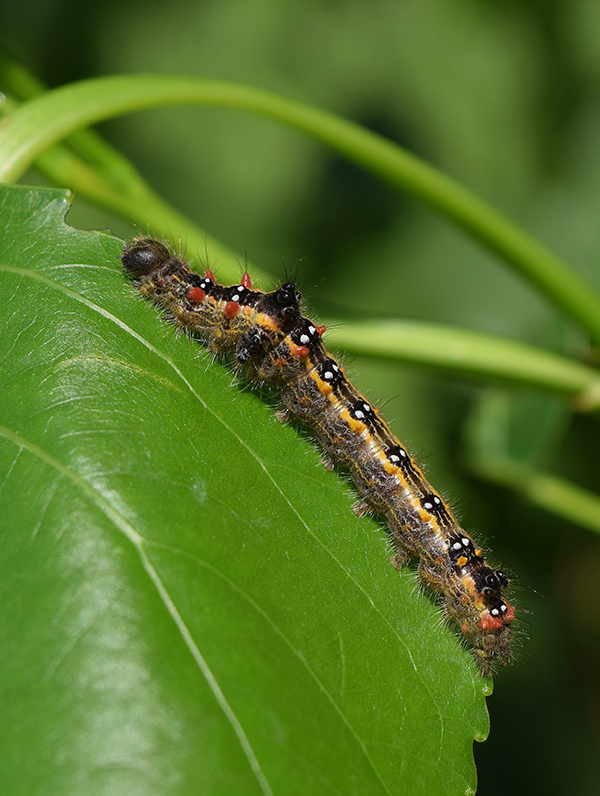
[208, 274]
[320, 330]
[491, 622]
[231, 309]
[488, 622]
[299, 351]
[246, 281]
[196, 295]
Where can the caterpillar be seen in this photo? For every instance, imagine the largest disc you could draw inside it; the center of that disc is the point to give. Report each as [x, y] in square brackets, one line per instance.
[278, 346]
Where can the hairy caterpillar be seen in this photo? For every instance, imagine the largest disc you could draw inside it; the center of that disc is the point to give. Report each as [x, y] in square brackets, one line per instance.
[278, 346]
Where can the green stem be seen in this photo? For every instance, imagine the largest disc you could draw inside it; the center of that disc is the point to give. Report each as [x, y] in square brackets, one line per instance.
[471, 354]
[46, 119]
[92, 168]
[135, 200]
[553, 494]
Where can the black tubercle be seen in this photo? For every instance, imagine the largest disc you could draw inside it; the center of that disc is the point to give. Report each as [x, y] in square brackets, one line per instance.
[236, 293]
[495, 581]
[435, 505]
[251, 345]
[461, 547]
[330, 372]
[305, 333]
[497, 606]
[143, 255]
[361, 410]
[491, 583]
[206, 283]
[288, 296]
[283, 303]
[398, 456]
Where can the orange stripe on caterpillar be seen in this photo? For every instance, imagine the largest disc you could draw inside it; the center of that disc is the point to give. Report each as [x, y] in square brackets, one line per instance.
[278, 346]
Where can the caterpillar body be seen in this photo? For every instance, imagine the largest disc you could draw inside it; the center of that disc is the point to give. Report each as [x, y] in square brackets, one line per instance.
[278, 346]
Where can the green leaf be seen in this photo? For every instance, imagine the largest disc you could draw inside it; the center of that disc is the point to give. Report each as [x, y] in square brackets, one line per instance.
[190, 606]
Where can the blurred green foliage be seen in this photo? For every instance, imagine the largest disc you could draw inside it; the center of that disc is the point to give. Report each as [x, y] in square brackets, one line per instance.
[501, 96]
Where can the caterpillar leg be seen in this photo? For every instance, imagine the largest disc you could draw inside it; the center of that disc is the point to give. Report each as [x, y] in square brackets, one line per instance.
[283, 415]
[361, 508]
[400, 559]
[430, 577]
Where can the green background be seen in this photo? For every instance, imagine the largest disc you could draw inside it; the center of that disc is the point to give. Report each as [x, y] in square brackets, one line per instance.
[502, 96]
